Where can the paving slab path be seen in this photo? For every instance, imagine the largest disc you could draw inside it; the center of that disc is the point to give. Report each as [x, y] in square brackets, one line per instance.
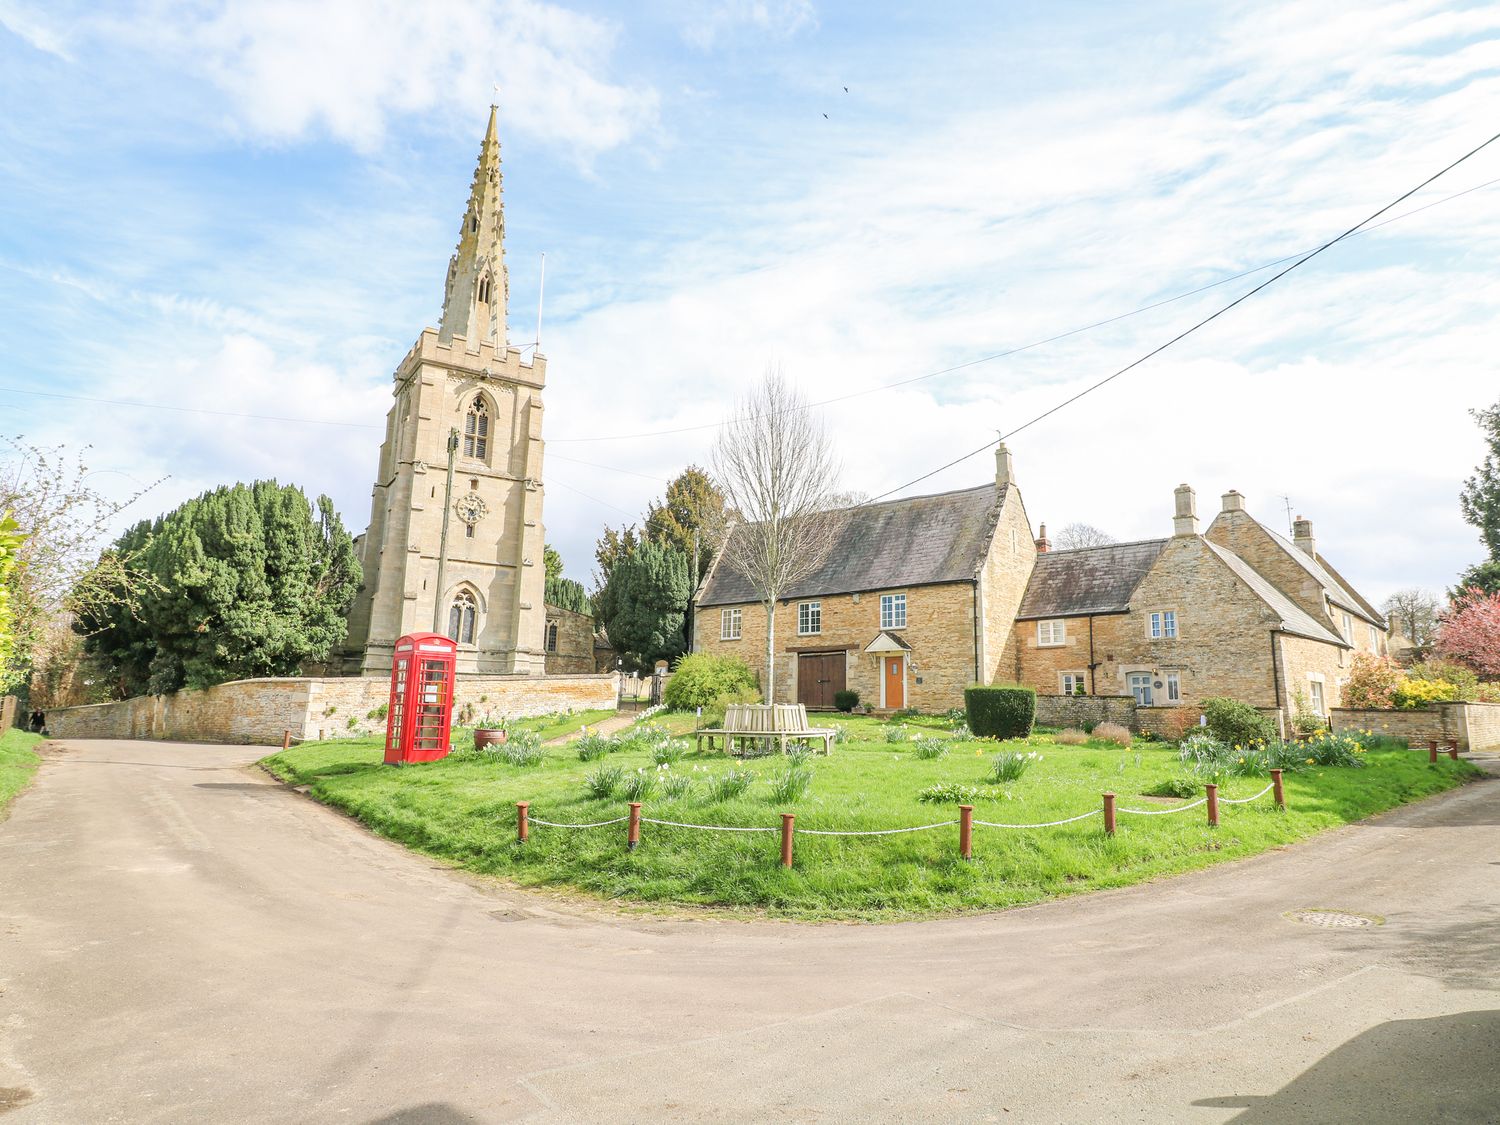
[183, 939]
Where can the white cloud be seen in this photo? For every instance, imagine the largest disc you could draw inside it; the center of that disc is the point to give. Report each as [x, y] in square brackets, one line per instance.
[710, 25]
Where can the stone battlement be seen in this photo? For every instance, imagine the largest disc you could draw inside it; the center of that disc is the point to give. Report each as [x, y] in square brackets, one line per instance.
[498, 361]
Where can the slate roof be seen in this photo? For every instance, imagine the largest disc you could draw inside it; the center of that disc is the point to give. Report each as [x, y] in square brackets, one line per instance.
[1087, 580]
[1333, 586]
[1294, 619]
[917, 541]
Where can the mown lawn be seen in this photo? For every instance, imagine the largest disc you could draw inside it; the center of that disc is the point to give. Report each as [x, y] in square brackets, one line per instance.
[18, 761]
[463, 810]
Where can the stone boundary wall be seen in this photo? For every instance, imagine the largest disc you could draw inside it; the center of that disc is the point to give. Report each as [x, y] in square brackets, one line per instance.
[1079, 711]
[259, 711]
[1474, 726]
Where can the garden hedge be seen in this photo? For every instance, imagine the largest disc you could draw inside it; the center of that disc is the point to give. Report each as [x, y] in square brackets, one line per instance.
[1000, 711]
[846, 700]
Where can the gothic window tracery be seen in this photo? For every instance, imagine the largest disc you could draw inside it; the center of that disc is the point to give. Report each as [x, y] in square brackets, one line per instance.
[477, 429]
[462, 615]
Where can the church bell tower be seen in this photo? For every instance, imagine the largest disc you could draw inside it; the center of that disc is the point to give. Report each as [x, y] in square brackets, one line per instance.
[460, 552]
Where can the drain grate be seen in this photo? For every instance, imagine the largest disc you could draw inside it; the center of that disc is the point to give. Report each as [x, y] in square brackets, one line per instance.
[1333, 919]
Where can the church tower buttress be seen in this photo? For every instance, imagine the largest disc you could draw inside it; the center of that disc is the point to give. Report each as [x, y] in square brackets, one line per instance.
[463, 377]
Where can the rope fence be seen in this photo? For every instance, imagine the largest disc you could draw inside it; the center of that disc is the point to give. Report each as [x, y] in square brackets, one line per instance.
[965, 821]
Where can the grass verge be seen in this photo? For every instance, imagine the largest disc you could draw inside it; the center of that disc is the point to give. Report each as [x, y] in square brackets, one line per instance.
[463, 810]
[18, 761]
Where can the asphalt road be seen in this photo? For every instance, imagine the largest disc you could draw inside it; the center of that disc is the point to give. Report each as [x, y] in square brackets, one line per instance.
[182, 939]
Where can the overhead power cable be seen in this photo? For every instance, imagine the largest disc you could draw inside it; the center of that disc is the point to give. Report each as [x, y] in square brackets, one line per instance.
[1186, 332]
[716, 425]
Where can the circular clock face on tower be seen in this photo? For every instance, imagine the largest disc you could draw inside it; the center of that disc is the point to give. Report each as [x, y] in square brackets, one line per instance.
[470, 508]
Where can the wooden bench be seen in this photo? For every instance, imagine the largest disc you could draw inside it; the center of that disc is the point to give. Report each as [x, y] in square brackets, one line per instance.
[755, 723]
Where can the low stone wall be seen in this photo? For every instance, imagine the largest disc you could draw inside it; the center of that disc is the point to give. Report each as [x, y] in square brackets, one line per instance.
[1474, 726]
[259, 711]
[1080, 711]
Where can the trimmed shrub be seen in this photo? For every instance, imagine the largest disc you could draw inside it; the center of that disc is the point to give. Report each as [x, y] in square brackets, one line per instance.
[1113, 732]
[700, 678]
[846, 700]
[1411, 694]
[1000, 711]
[1237, 723]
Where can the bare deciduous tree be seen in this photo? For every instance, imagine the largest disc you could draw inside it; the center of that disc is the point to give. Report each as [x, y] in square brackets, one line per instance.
[776, 467]
[1413, 613]
[1082, 535]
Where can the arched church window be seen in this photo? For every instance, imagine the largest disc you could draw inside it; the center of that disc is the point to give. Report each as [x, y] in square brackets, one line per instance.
[552, 636]
[461, 617]
[484, 291]
[477, 429]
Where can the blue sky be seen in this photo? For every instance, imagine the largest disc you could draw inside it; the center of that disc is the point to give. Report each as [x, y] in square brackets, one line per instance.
[248, 208]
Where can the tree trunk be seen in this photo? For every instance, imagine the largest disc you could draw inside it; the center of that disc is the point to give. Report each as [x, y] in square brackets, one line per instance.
[771, 651]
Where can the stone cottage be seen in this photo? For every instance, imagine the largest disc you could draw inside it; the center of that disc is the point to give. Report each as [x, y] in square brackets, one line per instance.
[923, 596]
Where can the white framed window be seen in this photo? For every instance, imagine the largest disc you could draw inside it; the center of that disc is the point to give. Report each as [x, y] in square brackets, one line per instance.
[1073, 683]
[1174, 688]
[1348, 629]
[893, 611]
[1317, 697]
[1374, 638]
[1164, 624]
[729, 624]
[809, 618]
[1051, 633]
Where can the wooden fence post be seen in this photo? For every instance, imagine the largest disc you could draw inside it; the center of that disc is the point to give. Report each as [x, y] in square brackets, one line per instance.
[633, 837]
[523, 829]
[966, 831]
[1452, 750]
[286, 741]
[1432, 750]
[1277, 790]
[1109, 814]
[787, 821]
[1213, 805]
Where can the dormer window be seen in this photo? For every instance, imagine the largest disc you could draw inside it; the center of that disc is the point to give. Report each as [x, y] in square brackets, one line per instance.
[477, 429]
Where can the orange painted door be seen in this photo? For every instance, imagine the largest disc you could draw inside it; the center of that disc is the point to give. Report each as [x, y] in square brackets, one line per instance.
[895, 682]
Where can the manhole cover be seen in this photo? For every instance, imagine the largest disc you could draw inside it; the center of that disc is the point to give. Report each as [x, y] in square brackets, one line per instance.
[1333, 919]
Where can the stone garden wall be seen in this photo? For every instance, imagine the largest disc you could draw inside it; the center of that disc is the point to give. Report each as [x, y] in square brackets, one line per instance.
[1078, 711]
[1474, 726]
[259, 711]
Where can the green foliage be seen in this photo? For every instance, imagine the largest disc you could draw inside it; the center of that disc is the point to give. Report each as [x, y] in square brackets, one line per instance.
[728, 785]
[10, 546]
[522, 748]
[1233, 722]
[929, 749]
[1000, 711]
[643, 605]
[670, 750]
[1480, 498]
[692, 504]
[846, 700]
[1484, 576]
[1412, 694]
[243, 581]
[1306, 721]
[602, 783]
[790, 785]
[896, 733]
[640, 785]
[591, 747]
[567, 594]
[1182, 785]
[952, 793]
[701, 678]
[1009, 765]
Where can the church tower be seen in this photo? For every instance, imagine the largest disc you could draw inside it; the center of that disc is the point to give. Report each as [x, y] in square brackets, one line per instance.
[460, 552]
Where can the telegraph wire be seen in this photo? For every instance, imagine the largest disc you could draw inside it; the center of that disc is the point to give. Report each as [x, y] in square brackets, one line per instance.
[1190, 330]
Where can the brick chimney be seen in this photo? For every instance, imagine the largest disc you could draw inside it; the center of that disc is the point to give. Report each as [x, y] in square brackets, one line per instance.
[1302, 536]
[1043, 544]
[1005, 469]
[1185, 521]
[1233, 501]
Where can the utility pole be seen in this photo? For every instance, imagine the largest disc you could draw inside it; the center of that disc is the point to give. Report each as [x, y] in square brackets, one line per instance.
[437, 597]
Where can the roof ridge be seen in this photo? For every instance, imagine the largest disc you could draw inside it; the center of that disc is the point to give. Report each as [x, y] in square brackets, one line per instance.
[1104, 546]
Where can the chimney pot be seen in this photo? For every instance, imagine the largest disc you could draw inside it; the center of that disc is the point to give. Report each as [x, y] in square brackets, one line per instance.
[1302, 536]
[1005, 469]
[1043, 544]
[1233, 501]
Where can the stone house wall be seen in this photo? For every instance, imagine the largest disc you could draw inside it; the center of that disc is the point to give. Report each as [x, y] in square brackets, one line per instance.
[1301, 661]
[574, 652]
[939, 629]
[259, 711]
[1003, 577]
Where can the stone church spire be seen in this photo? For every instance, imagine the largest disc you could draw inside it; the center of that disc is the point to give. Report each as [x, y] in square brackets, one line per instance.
[478, 287]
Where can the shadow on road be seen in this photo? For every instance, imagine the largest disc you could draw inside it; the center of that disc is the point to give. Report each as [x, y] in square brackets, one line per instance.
[1438, 1069]
[429, 1113]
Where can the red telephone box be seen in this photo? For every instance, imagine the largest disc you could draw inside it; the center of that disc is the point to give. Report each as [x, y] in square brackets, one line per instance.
[419, 718]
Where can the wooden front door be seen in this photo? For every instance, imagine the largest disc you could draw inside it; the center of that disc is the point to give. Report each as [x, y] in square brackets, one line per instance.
[819, 675]
[895, 682]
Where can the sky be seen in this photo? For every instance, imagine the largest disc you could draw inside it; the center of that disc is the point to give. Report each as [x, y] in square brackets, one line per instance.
[246, 209]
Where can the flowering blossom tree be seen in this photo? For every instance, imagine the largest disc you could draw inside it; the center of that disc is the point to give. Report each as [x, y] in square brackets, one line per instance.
[1372, 681]
[1469, 632]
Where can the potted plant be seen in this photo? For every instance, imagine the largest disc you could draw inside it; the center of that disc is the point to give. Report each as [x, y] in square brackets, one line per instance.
[489, 731]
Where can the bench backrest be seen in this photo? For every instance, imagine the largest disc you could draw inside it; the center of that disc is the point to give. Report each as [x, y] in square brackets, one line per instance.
[757, 718]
